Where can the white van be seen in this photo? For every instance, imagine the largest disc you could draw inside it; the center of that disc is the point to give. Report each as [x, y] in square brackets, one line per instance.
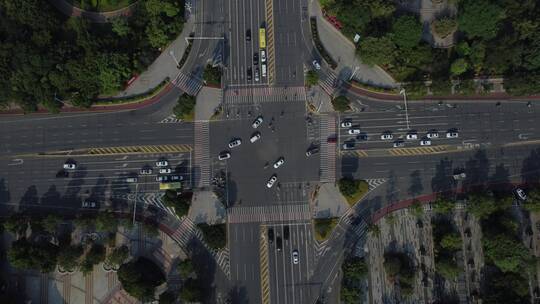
[263, 70]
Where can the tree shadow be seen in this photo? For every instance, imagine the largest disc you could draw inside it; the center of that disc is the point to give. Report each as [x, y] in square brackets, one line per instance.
[351, 165]
[530, 170]
[238, 294]
[74, 187]
[98, 191]
[51, 197]
[232, 189]
[29, 199]
[499, 182]
[416, 186]
[5, 196]
[442, 181]
[477, 171]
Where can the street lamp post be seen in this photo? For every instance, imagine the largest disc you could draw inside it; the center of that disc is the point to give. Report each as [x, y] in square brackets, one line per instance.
[353, 73]
[402, 92]
[174, 58]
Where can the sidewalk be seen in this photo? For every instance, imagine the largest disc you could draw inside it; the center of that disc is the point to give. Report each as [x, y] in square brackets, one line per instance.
[206, 208]
[329, 202]
[208, 100]
[343, 51]
[164, 66]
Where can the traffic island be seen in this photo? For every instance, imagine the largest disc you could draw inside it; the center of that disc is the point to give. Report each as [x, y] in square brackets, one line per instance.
[323, 227]
[353, 189]
[214, 235]
[341, 104]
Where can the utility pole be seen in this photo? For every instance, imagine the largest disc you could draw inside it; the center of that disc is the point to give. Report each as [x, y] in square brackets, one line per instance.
[353, 73]
[402, 92]
[135, 202]
[174, 58]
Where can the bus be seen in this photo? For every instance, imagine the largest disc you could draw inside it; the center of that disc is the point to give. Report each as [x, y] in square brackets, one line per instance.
[166, 186]
[262, 38]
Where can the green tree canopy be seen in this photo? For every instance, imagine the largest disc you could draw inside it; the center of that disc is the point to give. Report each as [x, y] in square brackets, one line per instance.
[407, 31]
[377, 51]
[214, 235]
[480, 18]
[312, 78]
[68, 257]
[186, 268]
[507, 253]
[341, 104]
[459, 66]
[140, 278]
[185, 107]
[348, 186]
[41, 256]
[118, 256]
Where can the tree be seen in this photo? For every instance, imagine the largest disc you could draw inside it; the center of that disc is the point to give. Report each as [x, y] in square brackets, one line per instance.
[191, 291]
[452, 242]
[443, 206]
[448, 268]
[68, 257]
[167, 298]
[350, 295]
[140, 277]
[354, 269]
[522, 84]
[214, 235]
[51, 222]
[480, 18]
[507, 253]
[459, 66]
[186, 268]
[212, 75]
[118, 256]
[120, 26]
[348, 186]
[444, 27]
[106, 222]
[416, 208]
[341, 104]
[94, 256]
[482, 206]
[406, 31]
[377, 51]
[185, 107]
[41, 256]
[17, 223]
[312, 78]
[533, 201]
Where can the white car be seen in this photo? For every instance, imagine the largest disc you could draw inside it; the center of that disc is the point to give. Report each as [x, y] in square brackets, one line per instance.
[521, 194]
[271, 181]
[411, 136]
[235, 143]
[452, 134]
[162, 163]
[70, 166]
[346, 124]
[131, 180]
[257, 74]
[145, 171]
[399, 144]
[354, 131]
[425, 142]
[165, 170]
[316, 64]
[295, 257]
[432, 134]
[263, 70]
[257, 122]
[176, 177]
[263, 56]
[279, 162]
[387, 136]
[89, 204]
[256, 136]
[224, 155]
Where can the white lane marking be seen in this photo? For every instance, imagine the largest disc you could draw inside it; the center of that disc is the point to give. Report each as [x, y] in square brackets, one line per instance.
[17, 161]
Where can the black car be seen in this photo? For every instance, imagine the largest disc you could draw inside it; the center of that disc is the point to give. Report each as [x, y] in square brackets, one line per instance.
[286, 233]
[248, 35]
[312, 151]
[278, 243]
[62, 174]
[256, 58]
[271, 235]
[362, 137]
[249, 72]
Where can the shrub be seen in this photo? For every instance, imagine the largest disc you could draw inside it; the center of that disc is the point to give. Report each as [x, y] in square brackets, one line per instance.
[341, 104]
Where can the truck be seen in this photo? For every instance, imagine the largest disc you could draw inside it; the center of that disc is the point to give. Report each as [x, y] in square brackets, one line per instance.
[262, 38]
[166, 186]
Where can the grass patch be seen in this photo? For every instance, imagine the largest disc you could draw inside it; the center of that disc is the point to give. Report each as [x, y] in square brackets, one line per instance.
[133, 99]
[353, 189]
[323, 227]
[341, 104]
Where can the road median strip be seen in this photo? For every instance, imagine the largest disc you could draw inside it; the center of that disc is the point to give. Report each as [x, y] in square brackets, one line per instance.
[146, 149]
[264, 266]
[270, 45]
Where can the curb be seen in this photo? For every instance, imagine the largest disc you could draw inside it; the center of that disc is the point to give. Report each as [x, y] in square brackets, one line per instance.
[101, 108]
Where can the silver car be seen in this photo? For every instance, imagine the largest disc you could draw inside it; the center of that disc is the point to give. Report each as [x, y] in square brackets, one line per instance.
[295, 257]
[235, 143]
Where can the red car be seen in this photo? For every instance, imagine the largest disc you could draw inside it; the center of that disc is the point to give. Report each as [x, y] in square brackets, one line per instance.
[332, 139]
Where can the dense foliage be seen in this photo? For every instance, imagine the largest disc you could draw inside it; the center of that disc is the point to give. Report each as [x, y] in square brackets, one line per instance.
[446, 243]
[180, 202]
[185, 107]
[46, 57]
[497, 38]
[400, 268]
[140, 278]
[214, 235]
[354, 271]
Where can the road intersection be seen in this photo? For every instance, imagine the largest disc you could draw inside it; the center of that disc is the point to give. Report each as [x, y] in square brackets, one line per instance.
[493, 140]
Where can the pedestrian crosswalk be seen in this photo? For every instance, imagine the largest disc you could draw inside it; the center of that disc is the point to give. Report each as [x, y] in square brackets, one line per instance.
[275, 213]
[170, 119]
[201, 162]
[328, 150]
[264, 94]
[329, 83]
[188, 84]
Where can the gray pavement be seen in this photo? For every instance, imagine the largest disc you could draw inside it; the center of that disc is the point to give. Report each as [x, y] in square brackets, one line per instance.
[206, 208]
[208, 100]
[329, 202]
[343, 51]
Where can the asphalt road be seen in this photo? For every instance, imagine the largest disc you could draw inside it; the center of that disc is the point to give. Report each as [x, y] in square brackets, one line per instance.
[247, 175]
[243, 16]
[481, 123]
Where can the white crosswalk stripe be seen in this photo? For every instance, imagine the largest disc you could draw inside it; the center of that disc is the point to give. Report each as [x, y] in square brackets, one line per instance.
[170, 119]
[375, 182]
[329, 83]
[275, 213]
[264, 94]
[328, 150]
[188, 84]
[202, 154]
